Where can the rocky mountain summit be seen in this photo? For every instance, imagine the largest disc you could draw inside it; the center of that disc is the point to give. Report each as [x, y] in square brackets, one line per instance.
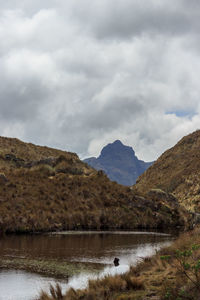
[176, 171]
[119, 162]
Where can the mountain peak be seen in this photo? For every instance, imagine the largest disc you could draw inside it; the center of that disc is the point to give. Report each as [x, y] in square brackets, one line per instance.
[117, 149]
[119, 162]
[117, 142]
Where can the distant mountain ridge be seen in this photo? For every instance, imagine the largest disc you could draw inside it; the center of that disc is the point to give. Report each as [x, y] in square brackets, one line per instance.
[119, 162]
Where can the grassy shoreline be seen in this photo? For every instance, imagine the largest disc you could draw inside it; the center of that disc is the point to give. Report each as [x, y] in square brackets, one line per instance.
[49, 267]
[154, 278]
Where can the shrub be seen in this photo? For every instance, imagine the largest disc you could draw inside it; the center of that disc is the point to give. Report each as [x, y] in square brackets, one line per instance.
[187, 264]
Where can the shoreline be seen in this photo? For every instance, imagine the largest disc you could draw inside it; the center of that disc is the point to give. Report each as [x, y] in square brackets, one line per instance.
[58, 268]
[63, 269]
[157, 277]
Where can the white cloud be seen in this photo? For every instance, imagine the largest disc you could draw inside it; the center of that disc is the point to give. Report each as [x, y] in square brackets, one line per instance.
[79, 74]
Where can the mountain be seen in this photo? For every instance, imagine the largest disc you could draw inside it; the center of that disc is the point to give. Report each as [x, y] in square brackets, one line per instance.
[45, 189]
[177, 171]
[120, 163]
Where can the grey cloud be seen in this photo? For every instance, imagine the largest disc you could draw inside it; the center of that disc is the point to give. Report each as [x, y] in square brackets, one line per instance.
[110, 116]
[24, 104]
[73, 77]
[124, 19]
[115, 113]
[28, 6]
[120, 19]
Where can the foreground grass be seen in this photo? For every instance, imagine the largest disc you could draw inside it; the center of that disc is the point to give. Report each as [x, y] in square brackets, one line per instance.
[154, 278]
[49, 267]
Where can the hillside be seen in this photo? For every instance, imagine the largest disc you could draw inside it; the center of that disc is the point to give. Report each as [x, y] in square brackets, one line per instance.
[177, 171]
[43, 189]
[119, 162]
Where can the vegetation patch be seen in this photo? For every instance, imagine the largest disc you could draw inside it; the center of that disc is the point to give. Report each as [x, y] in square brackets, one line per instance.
[44, 189]
[176, 171]
[49, 267]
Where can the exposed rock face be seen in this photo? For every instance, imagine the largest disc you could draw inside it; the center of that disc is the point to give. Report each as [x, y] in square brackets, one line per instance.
[119, 162]
[177, 171]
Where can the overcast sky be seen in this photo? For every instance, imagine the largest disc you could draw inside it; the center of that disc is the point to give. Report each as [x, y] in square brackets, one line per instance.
[79, 74]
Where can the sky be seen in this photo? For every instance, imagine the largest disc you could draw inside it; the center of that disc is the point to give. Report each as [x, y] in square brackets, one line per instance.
[79, 74]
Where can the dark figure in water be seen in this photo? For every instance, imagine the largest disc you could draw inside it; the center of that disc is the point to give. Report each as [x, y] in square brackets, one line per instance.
[116, 262]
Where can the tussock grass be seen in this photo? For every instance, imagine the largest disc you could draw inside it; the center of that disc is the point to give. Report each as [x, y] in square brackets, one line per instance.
[45, 189]
[176, 171]
[39, 199]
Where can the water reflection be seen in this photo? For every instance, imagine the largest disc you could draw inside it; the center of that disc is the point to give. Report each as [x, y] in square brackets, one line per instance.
[92, 247]
[101, 247]
[81, 281]
[19, 285]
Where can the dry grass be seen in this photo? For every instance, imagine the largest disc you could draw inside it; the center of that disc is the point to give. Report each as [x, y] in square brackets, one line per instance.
[176, 171]
[46, 189]
[98, 289]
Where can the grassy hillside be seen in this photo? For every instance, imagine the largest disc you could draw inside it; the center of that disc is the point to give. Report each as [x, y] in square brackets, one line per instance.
[177, 171]
[43, 189]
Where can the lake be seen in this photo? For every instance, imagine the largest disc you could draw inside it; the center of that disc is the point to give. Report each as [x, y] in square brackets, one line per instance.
[85, 247]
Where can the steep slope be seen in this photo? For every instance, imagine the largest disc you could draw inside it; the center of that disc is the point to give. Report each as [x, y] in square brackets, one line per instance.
[43, 189]
[119, 163]
[177, 171]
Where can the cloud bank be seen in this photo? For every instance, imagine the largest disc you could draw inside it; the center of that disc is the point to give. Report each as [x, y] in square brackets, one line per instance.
[79, 74]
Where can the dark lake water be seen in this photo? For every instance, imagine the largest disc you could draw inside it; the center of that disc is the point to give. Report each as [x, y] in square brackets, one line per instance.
[92, 247]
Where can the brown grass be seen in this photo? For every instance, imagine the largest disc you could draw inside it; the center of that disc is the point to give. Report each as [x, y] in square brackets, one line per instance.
[176, 171]
[46, 189]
